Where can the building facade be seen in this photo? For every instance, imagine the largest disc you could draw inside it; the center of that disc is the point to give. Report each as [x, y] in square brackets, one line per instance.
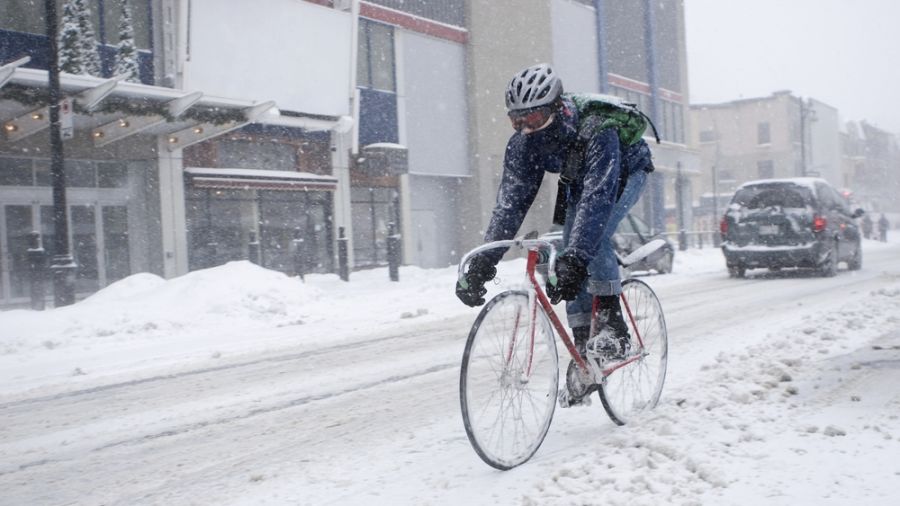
[871, 166]
[264, 129]
[777, 136]
[193, 166]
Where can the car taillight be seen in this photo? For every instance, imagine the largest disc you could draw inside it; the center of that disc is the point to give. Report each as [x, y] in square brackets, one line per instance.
[819, 223]
[723, 226]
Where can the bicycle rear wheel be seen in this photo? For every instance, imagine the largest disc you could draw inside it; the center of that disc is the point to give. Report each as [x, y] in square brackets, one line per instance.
[637, 386]
[508, 380]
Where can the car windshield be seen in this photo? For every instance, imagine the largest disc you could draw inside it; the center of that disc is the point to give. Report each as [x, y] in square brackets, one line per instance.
[763, 196]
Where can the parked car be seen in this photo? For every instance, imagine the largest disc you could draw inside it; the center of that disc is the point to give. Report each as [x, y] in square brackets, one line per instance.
[631, 234]
[796, 222]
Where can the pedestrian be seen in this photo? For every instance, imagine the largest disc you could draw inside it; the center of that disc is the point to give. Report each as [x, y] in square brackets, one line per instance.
[867, 226]
[883, 225]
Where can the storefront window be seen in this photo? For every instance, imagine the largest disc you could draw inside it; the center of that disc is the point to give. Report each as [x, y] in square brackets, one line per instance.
[219, 222]
[295, 231]
[15, 172]
[115, 242]
[80, 173]
[27, 16]
[373, 210]
[112, 175]
[18, 228]
[84, 248]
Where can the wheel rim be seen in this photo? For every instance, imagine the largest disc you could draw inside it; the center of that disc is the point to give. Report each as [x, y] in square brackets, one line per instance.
[507, 394]
[638, 386]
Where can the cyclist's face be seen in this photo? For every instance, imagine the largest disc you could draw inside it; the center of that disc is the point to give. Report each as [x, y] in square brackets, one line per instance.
[532, 120]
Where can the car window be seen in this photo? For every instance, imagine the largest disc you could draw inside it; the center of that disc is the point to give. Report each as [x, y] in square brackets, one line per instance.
[625, 227]
[763, 196]
[840, 202]
[640, 225]
[825, 196]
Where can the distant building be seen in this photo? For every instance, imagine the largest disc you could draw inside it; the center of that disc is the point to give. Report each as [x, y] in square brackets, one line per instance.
[767, 137]
[871, 166]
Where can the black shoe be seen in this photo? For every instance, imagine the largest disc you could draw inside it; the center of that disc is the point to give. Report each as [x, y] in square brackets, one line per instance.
[610, 344]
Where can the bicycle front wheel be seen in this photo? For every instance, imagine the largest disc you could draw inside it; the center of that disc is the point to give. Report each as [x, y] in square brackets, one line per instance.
[508, 380]
[637, 386]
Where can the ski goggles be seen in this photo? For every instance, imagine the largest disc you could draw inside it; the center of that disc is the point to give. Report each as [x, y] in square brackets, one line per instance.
[531, 120]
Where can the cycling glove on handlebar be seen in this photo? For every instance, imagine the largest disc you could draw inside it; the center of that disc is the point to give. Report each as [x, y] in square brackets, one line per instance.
[570, 275]
[481, 270]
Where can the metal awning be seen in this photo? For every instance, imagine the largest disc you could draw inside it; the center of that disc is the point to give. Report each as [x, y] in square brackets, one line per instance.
[113, 109]
[257, 179]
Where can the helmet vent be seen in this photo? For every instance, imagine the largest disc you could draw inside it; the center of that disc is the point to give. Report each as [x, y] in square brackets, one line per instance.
[527, 94]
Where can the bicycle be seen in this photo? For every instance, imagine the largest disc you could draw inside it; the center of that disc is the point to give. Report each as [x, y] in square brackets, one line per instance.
[509, 379]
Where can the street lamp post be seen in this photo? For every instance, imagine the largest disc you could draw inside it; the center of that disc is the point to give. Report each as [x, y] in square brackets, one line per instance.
[62, 265]
[715, 203]
[679, 202]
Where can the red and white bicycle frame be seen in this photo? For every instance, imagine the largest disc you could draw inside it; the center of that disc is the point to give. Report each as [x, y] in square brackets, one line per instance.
[537, 296]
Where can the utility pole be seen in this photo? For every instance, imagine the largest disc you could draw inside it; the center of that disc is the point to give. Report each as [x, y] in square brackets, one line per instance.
[802, 138]
[679, 201]
[62, 265]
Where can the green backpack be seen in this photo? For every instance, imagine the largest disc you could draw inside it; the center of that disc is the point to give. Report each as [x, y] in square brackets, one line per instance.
[597, 112]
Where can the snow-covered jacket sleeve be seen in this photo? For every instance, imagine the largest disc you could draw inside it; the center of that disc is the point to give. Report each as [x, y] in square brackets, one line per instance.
[519, 186]
[601, 180]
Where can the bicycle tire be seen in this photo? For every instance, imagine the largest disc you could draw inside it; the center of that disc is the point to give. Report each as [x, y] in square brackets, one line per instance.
[507, 411]
[637, 387]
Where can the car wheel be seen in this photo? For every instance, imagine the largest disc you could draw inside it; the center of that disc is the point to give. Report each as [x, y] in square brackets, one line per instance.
[664, 265]
[737, 271]
[829, 266]
[855, 262]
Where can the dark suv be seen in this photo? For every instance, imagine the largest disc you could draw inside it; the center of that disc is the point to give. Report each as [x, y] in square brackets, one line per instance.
[798, 222]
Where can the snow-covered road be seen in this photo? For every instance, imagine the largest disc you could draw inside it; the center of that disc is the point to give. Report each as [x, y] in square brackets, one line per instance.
[781, 390]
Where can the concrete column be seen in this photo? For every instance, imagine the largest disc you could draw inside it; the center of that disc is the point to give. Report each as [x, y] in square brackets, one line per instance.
[173, 223]
[340, 162]
[406, 226]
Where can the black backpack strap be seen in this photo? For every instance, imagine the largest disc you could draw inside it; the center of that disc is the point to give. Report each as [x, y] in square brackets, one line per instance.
[567, 175]
[650, 122]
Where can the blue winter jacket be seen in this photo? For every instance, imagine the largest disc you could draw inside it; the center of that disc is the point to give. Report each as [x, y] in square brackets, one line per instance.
[594, 189]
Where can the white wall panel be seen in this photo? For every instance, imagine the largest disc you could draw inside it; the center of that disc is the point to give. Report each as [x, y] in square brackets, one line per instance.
[575, 45]
[434, 101]
[295, 53]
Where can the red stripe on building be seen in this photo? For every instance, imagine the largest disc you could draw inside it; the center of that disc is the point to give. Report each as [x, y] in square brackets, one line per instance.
[640, 87]
[413, 23]
[249, 184]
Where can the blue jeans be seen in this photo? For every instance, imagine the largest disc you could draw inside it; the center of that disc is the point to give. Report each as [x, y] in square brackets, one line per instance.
[603, 270]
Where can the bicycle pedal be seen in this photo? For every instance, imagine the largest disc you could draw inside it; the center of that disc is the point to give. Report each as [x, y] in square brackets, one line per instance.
[567, 401]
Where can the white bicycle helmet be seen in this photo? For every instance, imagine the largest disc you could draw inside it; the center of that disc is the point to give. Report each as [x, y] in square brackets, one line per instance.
[533, 87]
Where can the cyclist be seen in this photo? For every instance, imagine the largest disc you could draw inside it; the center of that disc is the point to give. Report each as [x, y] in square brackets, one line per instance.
[610, 177]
